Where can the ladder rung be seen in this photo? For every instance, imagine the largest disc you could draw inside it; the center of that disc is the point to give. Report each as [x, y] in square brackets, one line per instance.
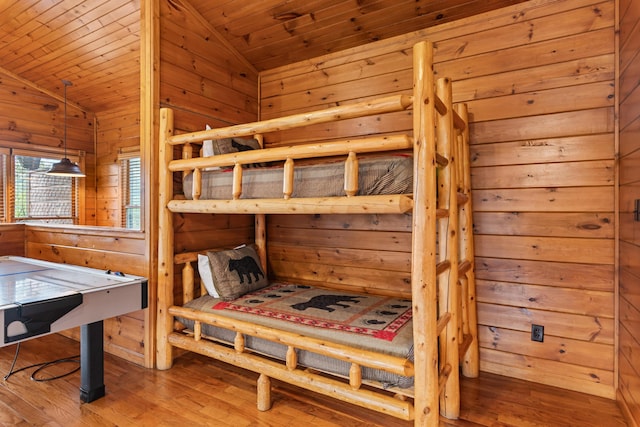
[442, 322]
[458, 122]
[463, 267]
[440, 106]
[467, 340]
[441, 160]
[443, 266]
[444, 376]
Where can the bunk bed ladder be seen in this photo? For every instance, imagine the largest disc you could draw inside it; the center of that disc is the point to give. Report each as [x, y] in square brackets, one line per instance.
[443, 282]
[469, 358]
[447, 229]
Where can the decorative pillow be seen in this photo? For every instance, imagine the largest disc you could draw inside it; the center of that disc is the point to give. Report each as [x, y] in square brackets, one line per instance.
[207, 151]
[204, 268]
[234, 145]
[236, 272]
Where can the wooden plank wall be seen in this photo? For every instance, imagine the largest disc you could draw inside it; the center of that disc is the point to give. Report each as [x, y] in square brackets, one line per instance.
[117, 129]
[629, 327]
[30, 119]
[205, 82]
[105, 249]
[12, 239]
[539, 81]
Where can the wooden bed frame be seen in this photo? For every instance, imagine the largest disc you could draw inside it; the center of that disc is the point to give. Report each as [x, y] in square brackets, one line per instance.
[442, 272]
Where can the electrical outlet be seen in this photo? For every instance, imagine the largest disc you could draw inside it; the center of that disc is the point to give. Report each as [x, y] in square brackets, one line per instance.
[537, 333]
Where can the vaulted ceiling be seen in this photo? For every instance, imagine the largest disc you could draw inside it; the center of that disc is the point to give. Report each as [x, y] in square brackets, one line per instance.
[96, 43]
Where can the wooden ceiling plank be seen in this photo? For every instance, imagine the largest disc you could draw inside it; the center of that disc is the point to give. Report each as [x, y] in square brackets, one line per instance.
[291, 14]
[89, 60]
[63, 38]
[15, 29]
[325, 35]
[94, 50]
[337, 39]
[315, 16]
[83, 49]
[58, 27]
[12, 9]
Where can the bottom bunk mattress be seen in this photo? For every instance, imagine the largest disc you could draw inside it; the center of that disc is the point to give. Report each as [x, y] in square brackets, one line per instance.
[378, 175]
[371, 322]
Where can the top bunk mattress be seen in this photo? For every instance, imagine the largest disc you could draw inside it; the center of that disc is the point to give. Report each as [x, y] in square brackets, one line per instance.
[379, 175]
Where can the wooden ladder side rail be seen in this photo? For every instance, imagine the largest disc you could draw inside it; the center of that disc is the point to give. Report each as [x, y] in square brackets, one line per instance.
[164, 352]
[448, 249]
[423, 254]
[470, 358]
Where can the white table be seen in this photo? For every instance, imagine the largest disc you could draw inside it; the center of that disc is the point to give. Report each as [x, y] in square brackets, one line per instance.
[40, 297]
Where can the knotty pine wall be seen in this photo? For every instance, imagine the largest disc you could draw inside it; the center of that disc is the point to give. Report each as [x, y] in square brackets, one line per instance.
[12, 239]
[205, 82]
[30, 119]
[118, 130]
[629, 306]
[539, 82]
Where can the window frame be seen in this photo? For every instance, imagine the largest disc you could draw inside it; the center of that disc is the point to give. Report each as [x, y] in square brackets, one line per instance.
[8, 186]
[125, 155]
[5, 160]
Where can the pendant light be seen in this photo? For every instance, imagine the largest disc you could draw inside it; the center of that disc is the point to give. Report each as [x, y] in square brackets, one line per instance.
[65, 167]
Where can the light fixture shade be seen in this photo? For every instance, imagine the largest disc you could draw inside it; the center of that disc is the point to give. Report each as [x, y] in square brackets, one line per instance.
[65, 167]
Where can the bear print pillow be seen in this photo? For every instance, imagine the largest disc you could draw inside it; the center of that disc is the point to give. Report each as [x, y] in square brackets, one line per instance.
[236, 272]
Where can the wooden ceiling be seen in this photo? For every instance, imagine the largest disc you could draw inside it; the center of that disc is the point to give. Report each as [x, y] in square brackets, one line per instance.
[96, 43]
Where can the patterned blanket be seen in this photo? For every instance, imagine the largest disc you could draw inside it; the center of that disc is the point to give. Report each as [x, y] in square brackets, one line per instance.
[376, 316]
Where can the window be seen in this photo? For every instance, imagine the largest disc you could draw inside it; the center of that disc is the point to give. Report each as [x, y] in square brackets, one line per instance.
[130, 188]
[41, 197]
[4, 155]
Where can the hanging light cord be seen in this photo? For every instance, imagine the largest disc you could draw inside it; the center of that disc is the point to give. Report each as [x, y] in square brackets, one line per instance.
[65, 83]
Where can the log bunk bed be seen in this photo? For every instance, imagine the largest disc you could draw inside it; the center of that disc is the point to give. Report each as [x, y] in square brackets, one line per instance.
[442, 306]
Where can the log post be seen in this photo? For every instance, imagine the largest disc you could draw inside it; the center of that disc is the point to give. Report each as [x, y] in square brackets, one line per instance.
[351, 174]
[196, 185]
[287, 185]
[264, 393]
[423, 253]
[164, 350]
[187, 282]
[236, 189]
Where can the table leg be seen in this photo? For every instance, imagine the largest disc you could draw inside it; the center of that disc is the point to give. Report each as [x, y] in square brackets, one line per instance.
[91, 361]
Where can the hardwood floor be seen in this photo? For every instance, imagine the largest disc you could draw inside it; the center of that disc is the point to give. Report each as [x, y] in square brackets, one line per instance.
[201, 392]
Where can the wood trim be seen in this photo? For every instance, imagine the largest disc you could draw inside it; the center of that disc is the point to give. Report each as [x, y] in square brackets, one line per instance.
[149, 102]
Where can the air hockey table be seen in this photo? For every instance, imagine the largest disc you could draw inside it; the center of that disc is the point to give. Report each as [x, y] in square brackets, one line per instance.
[41, 297]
